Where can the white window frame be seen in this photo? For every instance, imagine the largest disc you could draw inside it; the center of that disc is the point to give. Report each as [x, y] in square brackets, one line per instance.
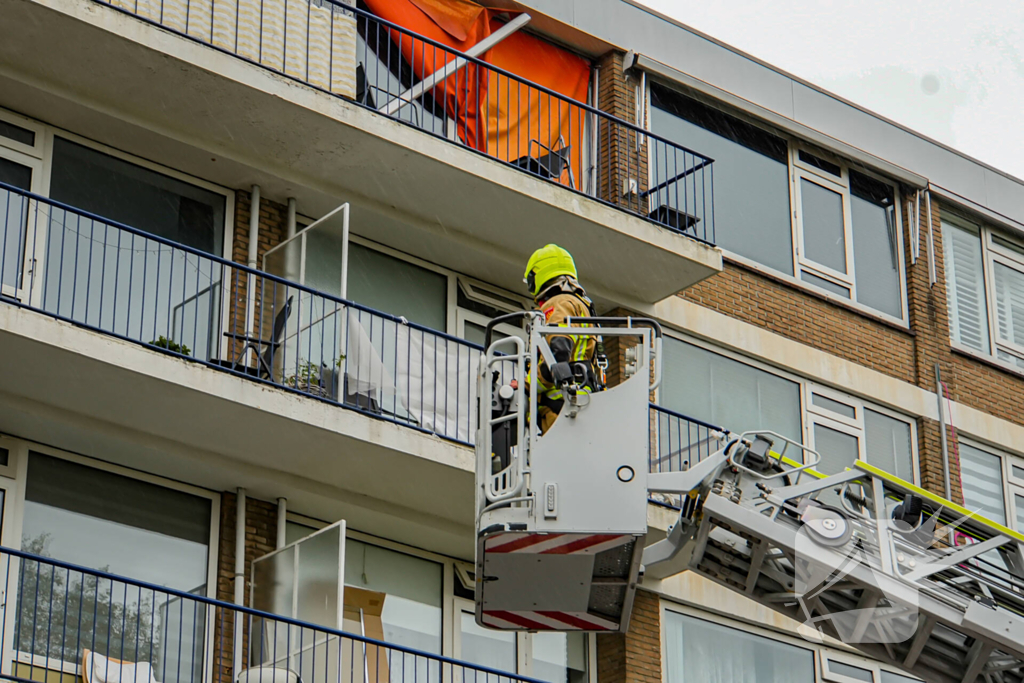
[42, 152]
[811, 414]
[666, 606]
[855, 426]
[991, 253]
[799, 169]
[452, 604]
[19, 457]
[873, 667]
[37, 149]
[1013, 486]
[472, 288]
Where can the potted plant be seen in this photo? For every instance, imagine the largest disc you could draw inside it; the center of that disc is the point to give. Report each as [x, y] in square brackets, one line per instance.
[171, 345]
[308, 379]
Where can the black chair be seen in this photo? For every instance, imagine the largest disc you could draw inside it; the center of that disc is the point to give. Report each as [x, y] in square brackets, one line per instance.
[264, 348]
[549, 166]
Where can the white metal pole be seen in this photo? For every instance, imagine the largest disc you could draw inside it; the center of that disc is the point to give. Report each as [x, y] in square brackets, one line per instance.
[344, 252]
[254, 237]
[282, 522]
[239, 578]
[428, 83]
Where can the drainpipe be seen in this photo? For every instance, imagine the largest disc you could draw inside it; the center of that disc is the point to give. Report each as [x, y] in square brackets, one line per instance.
[254, 237]
[291, 218]
[947, 486]
[239, 575]
[282, 521]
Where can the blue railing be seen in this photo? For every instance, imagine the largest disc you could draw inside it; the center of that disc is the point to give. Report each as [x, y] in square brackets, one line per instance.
[65, 620]
[115, 279]
[678, 442]
[348, 52]
[111, 278]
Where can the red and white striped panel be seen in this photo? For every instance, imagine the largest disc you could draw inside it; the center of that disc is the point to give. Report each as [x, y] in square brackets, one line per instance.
[547, 621]
[554, 544]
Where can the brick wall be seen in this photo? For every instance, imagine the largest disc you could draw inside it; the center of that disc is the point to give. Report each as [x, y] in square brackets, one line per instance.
[273, 229]
[620, 157]
[634, 656]
[260, 539]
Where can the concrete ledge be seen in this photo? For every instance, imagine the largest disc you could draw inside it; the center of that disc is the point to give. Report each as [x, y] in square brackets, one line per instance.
[72, 388]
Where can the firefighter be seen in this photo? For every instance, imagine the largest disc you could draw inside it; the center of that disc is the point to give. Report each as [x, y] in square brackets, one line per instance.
[551, 278]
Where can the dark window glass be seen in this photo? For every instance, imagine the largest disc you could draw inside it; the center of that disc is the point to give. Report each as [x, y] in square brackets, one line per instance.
[13, 221]
[818, 162]
[17, 133]
[751, 171]
[875, 247]
[140, 198]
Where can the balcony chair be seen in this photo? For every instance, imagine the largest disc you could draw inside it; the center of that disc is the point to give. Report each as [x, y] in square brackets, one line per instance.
[549, 166]
[263, 348]
[97, 668]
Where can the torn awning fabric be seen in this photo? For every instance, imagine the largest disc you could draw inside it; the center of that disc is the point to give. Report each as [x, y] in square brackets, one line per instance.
[503, 118]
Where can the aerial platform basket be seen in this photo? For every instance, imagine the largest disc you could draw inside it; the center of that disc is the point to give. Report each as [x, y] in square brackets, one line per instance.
[561, 517]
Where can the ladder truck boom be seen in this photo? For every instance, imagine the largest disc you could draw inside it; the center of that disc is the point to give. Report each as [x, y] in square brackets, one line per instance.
[891, 569]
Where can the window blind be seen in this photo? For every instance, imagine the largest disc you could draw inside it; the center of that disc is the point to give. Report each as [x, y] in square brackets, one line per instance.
[965, 287]
[981, 476]
[1009, 295]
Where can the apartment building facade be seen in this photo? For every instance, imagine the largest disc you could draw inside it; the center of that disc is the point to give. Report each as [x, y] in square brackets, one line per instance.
[250, 249]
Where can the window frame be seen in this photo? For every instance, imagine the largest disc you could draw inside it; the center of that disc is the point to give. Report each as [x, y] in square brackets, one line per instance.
[801, 171]
[991, 253]
[1013, 486]
[471, 287]
[873, 667]
[811, 414]
[666, 605]
[451, 603]
[797, 170]
[856, 426]
[19, 450]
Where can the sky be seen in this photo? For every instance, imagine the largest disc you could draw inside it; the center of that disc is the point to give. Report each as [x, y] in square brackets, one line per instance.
[953, 71]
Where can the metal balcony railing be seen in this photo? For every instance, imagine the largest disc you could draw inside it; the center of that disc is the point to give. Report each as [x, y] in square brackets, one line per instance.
[120, 281]
[115, 279]
[348, 52]
[59, 618]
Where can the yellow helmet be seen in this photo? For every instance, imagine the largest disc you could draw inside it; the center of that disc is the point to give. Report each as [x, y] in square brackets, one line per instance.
[545, 264]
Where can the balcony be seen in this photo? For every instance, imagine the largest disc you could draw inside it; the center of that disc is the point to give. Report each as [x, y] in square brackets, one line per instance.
[168, 359]
[317, 100]
[64, 621]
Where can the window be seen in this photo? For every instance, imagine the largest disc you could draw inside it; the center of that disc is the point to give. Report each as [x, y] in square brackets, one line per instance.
[388, 284]
[984, 289]
[712, 387]
[752, 215]
[722, 391]
[842, 233]
[138, 197]
[694, 654]
[844, 430]
[111, 522]
[993, 483]
[849, 233]
[981, 476]
[850, 669]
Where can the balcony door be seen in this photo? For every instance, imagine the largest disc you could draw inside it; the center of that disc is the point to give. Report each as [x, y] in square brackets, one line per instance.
[18, 248]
